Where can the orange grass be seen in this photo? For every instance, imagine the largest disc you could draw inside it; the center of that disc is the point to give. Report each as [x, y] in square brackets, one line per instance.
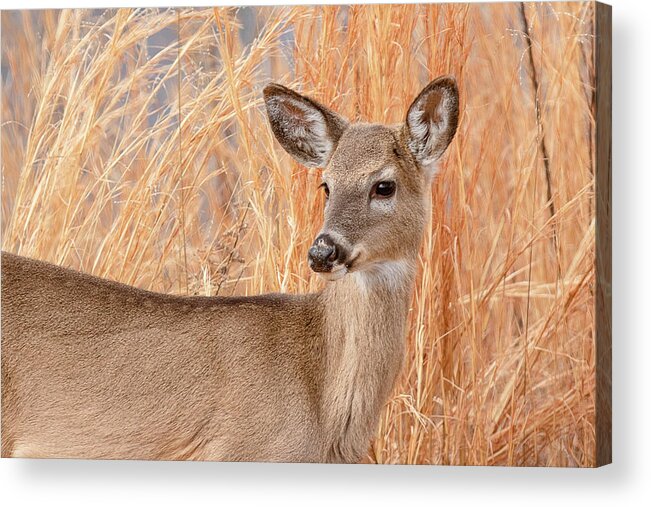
[135, 147]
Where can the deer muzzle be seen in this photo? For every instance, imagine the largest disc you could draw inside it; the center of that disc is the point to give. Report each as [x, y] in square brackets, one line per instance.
[325, 254]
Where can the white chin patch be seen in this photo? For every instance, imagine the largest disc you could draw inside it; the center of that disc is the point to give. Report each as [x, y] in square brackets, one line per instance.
[337, 273]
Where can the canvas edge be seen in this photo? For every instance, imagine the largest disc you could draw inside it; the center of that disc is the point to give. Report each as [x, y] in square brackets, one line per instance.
[603, 232]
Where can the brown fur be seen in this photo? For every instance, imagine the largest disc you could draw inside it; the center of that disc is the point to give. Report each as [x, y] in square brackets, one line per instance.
[96, 369]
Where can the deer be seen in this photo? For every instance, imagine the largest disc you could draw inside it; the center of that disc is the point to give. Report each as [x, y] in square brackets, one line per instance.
[95, 369]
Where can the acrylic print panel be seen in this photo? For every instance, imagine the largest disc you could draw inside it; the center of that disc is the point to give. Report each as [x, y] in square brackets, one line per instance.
[364, 233]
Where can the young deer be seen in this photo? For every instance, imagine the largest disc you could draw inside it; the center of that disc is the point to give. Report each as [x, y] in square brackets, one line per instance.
[96, 369]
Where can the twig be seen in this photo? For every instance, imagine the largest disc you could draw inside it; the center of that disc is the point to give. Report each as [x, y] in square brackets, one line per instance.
[230, 255]
[541, 130]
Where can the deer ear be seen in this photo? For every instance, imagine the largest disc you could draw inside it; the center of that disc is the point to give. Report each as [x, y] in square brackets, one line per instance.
[308, 131]
[432, 121]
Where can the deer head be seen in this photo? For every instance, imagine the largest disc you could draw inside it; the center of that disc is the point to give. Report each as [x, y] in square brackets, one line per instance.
[376, 178]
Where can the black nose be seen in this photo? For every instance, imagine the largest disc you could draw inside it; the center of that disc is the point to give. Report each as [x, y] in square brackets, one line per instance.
[322, 254]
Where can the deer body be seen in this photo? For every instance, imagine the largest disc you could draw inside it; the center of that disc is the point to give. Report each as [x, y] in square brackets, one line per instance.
[96, 369]
[129, 374]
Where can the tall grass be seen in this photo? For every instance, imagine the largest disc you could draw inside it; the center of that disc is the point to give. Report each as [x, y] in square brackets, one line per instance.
[135, 147]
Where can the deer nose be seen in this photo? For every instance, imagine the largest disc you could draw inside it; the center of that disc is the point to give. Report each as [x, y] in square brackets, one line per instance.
[322, 254]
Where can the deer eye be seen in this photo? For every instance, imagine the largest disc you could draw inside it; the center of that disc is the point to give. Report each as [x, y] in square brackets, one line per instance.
[325, 188]
[383, 189]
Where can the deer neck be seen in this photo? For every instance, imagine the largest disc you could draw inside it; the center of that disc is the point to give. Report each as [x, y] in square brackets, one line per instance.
[365, 324]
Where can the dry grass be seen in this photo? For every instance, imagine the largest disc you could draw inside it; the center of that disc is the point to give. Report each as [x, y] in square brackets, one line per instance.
[135, 147]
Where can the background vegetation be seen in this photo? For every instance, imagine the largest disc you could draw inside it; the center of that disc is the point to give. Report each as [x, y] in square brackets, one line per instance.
[135, 147]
